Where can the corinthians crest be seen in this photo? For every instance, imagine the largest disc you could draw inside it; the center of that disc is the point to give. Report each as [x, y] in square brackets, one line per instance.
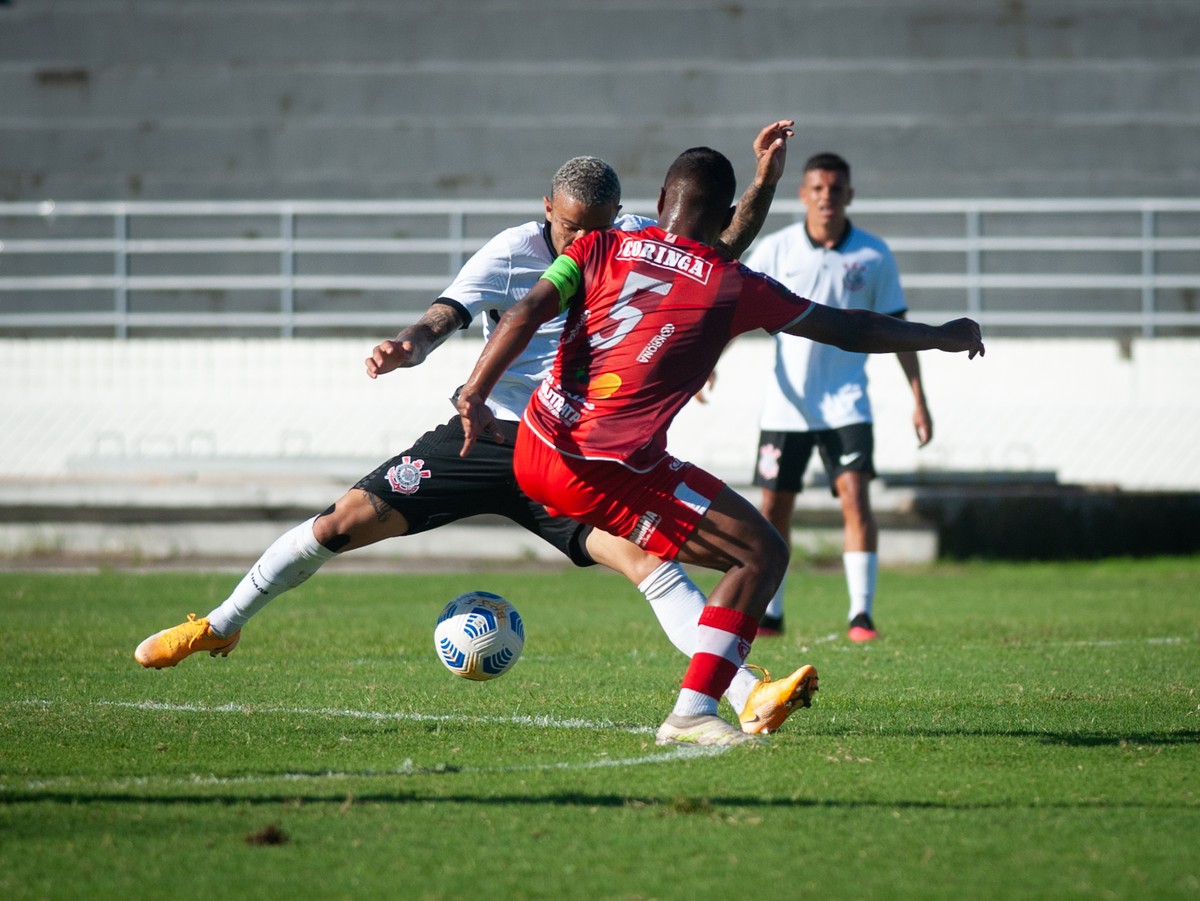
[768, 461]
[855, 278]
[405, 477]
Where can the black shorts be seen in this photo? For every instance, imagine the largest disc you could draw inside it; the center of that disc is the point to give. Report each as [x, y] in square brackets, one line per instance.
[430, 485]
[783, 456]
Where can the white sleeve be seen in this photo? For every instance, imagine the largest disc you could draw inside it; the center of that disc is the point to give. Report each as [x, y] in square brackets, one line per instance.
[485, 280]
[760, 257]
[630, 222]
[889, 296]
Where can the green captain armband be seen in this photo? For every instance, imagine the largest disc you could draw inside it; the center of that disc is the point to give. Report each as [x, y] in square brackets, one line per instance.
[565, 275]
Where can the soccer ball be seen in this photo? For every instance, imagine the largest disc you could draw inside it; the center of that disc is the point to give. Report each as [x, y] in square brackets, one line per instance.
[479, 635]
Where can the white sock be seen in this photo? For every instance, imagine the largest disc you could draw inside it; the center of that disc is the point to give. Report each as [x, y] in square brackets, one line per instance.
[293, 557]
[862, 569]
[775, 608]
[694, 703]
[739, 689]
[677, 603]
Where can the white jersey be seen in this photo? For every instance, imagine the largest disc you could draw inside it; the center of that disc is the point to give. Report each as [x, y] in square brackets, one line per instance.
[818, 386]
[499, 274]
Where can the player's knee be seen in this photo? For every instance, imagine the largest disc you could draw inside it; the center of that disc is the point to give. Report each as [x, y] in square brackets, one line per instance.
[337, 543]
[773, 555]
[777, 503]
[328, 534]
[359, 518]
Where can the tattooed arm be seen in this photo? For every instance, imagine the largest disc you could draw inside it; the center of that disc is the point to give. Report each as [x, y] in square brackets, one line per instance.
[770, 149]
[413, 344]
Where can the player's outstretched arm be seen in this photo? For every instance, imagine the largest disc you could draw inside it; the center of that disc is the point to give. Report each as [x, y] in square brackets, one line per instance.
[511, 336]
[864, 331]
[770, 151]
[413, 344]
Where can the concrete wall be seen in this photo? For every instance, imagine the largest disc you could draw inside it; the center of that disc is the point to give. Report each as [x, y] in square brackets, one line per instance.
[84, 420]
[175, 99]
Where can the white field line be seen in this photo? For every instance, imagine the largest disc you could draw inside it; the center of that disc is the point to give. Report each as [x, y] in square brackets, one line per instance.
[1120, 642]
[543, 722]
[407, 768]
[1078, 643]
[824, 639]
[1092, 643]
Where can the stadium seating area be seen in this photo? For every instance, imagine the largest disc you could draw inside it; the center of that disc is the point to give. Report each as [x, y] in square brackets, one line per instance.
[148, 100]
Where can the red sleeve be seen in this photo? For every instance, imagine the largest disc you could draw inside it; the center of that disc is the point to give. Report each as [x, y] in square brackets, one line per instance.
[766, 304]
[580, 247]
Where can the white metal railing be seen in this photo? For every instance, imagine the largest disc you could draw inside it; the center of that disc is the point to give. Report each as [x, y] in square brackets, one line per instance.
[106, 240]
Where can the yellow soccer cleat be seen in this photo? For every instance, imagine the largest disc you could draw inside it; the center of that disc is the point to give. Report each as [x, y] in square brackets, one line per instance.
[701, 730]
[168, 647]
[770, 703]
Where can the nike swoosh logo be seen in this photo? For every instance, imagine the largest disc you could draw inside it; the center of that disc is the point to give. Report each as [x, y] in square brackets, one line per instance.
[847, 459]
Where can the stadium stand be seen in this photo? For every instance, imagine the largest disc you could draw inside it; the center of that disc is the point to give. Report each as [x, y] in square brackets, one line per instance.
[370, 99]
[214, 400]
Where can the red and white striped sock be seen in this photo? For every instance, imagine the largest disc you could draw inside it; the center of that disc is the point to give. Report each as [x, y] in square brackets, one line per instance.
[723, 641]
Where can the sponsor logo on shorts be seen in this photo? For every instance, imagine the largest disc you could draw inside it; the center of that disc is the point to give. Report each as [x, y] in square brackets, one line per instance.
[405, 477]
[647, 524]
[847, 459]
[768, 462]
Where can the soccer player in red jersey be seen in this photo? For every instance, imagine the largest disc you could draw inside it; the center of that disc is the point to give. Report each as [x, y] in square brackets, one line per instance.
[648, 314]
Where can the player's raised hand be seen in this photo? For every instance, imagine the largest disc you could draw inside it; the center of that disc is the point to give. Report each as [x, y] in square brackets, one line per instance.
[770, 149]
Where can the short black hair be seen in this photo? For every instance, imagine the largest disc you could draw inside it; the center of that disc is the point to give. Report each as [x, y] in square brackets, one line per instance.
[708, 176]
[827, 162]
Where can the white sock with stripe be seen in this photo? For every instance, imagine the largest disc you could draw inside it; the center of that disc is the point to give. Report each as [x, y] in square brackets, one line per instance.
[678, 603]
[723, 638]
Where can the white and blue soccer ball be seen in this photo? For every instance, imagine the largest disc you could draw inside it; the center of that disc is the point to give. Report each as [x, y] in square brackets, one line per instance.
[479, 635]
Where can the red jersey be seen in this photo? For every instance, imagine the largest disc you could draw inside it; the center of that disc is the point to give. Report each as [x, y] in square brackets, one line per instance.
[652, 317]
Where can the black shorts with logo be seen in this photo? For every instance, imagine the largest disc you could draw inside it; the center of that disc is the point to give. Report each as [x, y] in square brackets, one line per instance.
[783, 456]
[430, 485]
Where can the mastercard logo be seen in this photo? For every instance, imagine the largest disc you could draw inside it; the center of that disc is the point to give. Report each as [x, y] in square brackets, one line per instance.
[604, 385]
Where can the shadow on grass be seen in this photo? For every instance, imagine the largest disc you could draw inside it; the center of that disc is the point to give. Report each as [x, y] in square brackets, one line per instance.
[1090, 740]
[675, 804]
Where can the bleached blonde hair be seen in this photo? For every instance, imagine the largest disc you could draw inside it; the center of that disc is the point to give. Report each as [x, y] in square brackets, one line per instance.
[587, 179]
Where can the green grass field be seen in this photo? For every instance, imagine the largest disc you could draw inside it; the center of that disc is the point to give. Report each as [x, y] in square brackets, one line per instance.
[1021, 731]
